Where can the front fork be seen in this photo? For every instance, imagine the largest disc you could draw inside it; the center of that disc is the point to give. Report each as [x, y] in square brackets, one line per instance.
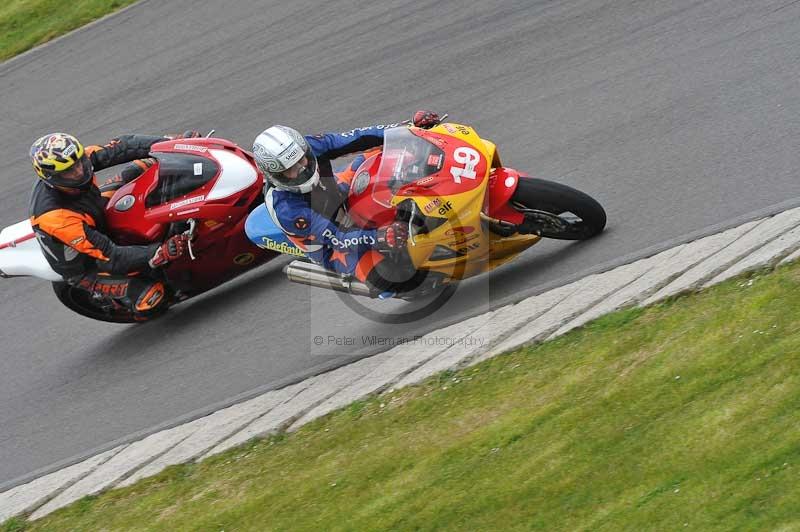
[191, 233]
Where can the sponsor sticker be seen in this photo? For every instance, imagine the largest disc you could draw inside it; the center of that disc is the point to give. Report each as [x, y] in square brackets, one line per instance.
[469, 247]
[348, 242]
[280, 247]
[289, 158]
[244, 259]
[434, 160]
[187, 201]
[463, 239]
[70, 150]
[432, 206]
[457, 231]
[191, 147]
[354, 131]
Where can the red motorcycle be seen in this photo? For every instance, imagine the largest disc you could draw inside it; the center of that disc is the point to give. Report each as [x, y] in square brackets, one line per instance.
[206, 187]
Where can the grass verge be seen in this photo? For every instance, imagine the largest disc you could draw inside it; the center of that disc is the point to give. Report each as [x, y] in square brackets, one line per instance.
[28, 23]
[683, 415]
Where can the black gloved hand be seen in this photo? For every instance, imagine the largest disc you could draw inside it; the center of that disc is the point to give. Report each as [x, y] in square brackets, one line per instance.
[393, 236]
[172, 249]
[425, 119]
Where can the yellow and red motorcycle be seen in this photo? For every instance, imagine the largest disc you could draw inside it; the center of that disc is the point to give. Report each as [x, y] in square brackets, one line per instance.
[467, 214]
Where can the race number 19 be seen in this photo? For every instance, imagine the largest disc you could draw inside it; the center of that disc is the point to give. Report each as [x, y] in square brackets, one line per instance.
[469, 158]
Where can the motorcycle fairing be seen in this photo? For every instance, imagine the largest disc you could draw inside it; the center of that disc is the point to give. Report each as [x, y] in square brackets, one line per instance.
[21, 255]
[451, 175]
[222, 182]
[503, 183]
[222, 185]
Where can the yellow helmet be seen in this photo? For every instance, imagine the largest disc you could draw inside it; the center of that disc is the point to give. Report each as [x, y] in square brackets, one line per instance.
[61, 161]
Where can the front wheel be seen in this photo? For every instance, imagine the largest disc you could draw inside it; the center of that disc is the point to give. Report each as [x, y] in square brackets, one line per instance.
[553, 210]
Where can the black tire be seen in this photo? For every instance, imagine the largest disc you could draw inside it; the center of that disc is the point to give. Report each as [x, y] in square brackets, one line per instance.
[553, 203]
[80, 301]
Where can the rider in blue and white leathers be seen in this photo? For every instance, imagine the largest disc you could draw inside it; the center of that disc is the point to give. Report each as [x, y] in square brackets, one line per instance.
[306, 198]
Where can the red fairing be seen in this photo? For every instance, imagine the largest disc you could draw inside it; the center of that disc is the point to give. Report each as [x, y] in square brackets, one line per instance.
[502, 185]
[212, 181]
[451, 166]
[452, 178]
[362, 206]
[147, 219]
[130, 227]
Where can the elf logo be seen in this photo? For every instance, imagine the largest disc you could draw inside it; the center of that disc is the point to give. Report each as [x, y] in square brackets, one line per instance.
[444, 209]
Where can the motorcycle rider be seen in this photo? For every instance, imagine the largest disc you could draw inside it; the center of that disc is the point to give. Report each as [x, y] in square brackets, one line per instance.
[67, 215]
[306, 201]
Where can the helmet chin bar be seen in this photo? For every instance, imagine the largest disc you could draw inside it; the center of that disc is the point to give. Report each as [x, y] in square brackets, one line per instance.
[72, 186]
[309, 185]
[303, 188]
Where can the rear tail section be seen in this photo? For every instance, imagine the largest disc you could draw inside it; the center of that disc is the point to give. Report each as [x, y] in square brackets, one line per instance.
[21, 255]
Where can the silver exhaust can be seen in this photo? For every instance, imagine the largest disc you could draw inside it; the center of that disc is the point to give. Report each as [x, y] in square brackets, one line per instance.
[315, 275]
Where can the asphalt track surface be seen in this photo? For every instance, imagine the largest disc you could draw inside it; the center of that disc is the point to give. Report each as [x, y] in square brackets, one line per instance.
[681, 117]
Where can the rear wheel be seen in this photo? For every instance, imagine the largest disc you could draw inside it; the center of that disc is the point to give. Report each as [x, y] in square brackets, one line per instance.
[553, 210]
[81, 301]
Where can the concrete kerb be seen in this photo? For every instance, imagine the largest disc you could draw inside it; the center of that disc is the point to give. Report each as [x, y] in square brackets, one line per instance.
[453, 356]
[757, 235]
[767, 256]
[516, 318]
[596, 293]
[33, 495]
[692, 255]
[216, 428]
[652, 278]
[700, 263]
[791, 258]
[540, 327]
[321, 388]
[120, 466]
[399, 361]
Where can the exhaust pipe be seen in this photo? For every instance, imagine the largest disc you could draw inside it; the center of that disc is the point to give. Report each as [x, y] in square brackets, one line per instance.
[314, 275]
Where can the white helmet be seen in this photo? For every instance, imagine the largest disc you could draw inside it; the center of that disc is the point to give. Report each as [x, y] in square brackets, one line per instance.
[286, 159]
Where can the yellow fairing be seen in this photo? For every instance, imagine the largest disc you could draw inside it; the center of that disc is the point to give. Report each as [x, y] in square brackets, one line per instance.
[463, 235]
[463, 246]
[468, 135]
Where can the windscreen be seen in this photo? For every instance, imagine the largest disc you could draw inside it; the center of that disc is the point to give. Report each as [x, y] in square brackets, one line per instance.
[178, 175]
[406, 158]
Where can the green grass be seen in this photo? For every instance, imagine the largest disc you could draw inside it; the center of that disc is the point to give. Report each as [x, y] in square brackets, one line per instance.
[681, 416]
[27, 23]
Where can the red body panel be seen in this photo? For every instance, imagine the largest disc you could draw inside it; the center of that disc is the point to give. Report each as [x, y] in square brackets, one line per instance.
[368, 203]
[221, 248]
[362, 206]
[502, 185]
